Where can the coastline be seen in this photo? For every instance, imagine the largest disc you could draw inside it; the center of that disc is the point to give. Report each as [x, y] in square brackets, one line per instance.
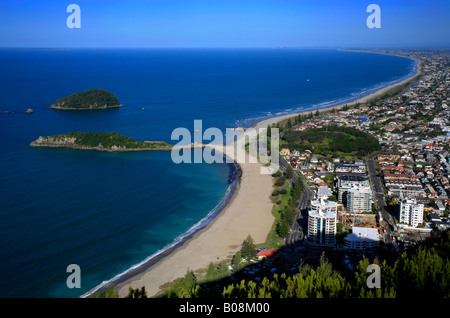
[223, 235]
[379, 92]
[78, 147]
[203, 224]
[89, 108]
[219, 239]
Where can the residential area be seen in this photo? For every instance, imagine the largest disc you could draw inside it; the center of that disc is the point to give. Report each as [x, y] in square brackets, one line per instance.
[395, 196]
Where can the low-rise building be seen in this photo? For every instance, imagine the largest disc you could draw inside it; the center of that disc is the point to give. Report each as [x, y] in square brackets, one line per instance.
[362, 238]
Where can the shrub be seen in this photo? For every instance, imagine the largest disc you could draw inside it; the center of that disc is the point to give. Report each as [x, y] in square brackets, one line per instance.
[276, 174]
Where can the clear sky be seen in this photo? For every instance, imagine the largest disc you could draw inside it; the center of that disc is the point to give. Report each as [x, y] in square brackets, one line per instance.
[225, 23]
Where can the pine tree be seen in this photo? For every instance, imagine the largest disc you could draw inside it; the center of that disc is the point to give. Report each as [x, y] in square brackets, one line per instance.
[189, 282]
[291, 211]
[236, 262]
[211, 273]
[283, 227]
[136, 293]
[248, 248]
[222, 270]
[289, 123]
[289, 172]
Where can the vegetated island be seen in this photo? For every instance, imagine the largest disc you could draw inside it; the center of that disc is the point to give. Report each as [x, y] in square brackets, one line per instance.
[100, 141]
[88, 100]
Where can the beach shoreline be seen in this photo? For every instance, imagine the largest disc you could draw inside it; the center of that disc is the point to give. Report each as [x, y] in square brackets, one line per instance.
[273, 120]
[220, 239]
[223, 235]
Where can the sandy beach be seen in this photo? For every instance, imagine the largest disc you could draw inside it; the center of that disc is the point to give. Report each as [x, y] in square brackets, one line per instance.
[273, 120]
[248, 212]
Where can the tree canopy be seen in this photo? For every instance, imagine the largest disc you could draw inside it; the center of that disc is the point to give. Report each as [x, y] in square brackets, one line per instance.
[332, 139]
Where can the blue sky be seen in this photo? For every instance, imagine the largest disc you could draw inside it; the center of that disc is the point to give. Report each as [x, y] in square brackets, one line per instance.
[225, 23]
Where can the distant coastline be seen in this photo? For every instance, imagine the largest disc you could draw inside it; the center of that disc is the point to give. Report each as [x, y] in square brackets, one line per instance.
[263, 123]
[150, 272]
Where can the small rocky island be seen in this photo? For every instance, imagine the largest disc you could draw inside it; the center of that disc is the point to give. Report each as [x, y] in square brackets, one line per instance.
[101, 141]
[88, 100]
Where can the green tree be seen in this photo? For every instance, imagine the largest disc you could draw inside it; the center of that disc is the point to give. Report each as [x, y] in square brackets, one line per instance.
[289, 123]
[189, 282]
[281, 180]
[222, 270]
[236, 262]
[283, 227]
[136, 293]
[289, 172]
[277, 174]
[211, 273]
[248, 248]
[291, 211]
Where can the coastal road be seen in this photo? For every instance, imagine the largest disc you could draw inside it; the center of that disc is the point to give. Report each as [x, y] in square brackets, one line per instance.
[380, 201]
[296, 233]
[284, 165]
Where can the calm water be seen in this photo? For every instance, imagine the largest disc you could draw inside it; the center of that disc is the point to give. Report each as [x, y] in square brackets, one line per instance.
[109, 211]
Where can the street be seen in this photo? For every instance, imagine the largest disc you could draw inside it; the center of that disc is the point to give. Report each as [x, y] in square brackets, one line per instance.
[380, 201]
[296, 234]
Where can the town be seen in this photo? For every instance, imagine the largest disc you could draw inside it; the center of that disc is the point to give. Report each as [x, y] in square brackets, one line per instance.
[396, 196]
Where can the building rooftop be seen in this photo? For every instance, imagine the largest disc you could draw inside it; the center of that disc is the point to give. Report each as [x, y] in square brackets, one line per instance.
[323, 192]
[363, 234]
[361, 190]
[323, 208]
[352, 178]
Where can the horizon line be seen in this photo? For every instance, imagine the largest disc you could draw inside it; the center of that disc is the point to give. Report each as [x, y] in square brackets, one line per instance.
[230, 47]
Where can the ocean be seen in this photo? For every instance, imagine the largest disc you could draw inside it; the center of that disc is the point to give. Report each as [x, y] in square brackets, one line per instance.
[109, 212]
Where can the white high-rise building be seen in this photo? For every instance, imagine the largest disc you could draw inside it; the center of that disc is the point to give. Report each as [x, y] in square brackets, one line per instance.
[411, 212]
[359, 199]
[346, 182]
[322, 223]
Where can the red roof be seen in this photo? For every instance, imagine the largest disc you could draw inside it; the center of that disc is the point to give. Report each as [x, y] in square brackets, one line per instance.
[268, 253]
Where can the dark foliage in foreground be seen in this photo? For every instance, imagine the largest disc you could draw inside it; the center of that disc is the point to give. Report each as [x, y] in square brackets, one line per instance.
[420, 272]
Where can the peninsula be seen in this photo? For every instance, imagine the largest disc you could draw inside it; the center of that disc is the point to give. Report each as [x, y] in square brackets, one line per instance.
[88, 100]
[100, 141]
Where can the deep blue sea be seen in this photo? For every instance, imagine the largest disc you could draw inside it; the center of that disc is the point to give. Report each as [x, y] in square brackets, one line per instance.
[108, 212]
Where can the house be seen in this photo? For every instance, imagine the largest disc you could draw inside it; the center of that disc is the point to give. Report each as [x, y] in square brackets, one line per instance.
[285, 152]
[266, 254]
[330, 167]
[440, 206]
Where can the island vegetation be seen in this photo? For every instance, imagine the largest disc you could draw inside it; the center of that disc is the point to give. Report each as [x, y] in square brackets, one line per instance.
[102, 141]
[89, 99]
